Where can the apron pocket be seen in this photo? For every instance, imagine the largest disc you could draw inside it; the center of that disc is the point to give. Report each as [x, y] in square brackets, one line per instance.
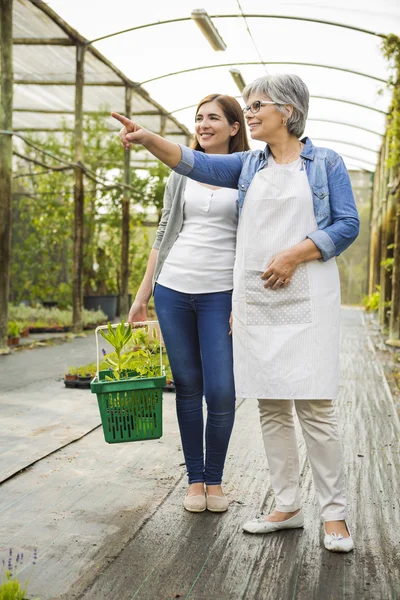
[287, 306]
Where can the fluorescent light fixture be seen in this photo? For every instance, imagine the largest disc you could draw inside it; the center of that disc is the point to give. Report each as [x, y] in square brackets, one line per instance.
[238, 78]
[208, 29]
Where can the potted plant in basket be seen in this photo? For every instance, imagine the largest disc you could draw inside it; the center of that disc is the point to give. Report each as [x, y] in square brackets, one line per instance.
[129, 392]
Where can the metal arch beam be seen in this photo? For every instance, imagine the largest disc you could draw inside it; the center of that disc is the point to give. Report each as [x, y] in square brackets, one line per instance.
[238, 64]
[364, 169]
[240, 16]
[79, 39]
[347, 144]
[383, 112]
[360, 160]
[348, 125]
[378, 110]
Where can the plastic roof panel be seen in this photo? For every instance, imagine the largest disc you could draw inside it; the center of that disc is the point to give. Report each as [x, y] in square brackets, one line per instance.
[39, 67]
[159, 50]
[29, 21]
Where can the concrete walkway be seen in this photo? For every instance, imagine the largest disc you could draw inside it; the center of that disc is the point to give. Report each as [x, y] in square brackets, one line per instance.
[108, 521]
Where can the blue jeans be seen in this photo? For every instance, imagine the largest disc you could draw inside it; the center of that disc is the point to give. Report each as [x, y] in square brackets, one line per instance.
[195, 328]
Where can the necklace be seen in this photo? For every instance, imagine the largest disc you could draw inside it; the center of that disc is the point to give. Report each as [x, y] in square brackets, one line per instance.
[289, 158]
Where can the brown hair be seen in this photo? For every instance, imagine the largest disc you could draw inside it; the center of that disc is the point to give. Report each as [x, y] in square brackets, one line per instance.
[234, 114]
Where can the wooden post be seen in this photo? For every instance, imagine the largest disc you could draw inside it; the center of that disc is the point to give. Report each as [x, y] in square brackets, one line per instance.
[382, 232]
[77, 299]
[394, 326]
[374, 267]
[372, 227]
[386, 239]
[6, 106]
[124, 291]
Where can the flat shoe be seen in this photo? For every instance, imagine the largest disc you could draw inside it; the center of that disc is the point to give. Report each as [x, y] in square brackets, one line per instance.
[217, 503]
[195, 503]
[260, 525]
[337, 543]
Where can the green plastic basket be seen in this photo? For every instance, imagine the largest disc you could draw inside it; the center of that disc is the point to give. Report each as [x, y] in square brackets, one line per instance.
[130, 409]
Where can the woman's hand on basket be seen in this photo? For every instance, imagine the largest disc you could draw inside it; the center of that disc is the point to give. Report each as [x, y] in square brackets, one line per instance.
[131, 133]
[138, 312]
[280, 270]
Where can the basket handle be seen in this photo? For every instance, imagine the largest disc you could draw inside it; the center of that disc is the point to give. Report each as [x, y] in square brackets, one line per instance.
[137, 325]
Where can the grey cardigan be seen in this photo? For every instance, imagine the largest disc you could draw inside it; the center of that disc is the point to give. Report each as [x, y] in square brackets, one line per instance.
[171, 220]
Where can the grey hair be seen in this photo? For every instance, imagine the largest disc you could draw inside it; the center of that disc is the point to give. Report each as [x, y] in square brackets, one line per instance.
[284, 89]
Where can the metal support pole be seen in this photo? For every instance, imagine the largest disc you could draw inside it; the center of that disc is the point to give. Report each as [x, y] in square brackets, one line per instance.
[6, 105]
[124, 291]
[77, 299]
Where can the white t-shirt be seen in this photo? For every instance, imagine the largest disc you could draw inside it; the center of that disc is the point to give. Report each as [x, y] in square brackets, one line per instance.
[201, 260]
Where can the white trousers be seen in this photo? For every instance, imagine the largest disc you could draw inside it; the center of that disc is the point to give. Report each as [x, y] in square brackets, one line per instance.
[320, 431]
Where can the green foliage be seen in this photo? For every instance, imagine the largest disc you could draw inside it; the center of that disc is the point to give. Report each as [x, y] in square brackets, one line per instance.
[13, 329]
[139, 360]
[117, 338]
[372, 301]
[89, 369]
[158, 180]
[391, 51]
[11, 589]
[144, 355]
[43, 216]
[40, 316]
[388, 264]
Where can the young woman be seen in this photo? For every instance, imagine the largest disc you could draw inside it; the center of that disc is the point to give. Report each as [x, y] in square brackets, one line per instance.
[298, 214]
[191, 267]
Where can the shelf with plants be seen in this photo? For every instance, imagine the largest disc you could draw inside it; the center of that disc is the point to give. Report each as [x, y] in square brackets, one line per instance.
[40, 319]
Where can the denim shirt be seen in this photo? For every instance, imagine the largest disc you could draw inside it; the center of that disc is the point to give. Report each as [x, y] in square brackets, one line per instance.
[333, 200]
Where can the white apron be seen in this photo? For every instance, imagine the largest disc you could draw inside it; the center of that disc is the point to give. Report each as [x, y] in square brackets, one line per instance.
[285, 341]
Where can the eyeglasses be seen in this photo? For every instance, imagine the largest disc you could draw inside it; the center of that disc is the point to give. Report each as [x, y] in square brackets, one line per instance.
[255, 106]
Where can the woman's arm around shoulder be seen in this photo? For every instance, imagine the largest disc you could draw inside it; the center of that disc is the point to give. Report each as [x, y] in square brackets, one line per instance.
[215, 169]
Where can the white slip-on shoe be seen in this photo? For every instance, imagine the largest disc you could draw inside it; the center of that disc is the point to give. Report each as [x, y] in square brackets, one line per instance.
[337, 543]
[260, 525]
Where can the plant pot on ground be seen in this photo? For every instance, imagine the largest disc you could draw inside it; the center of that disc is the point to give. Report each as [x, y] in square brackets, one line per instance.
[70, 377]
[50, 303]
[119, 303]
[106, 303]
[13, 333]
[72, 374]
[87, 378]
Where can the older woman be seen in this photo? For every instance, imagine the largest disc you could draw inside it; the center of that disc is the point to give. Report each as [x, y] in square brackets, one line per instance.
[298, 213]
